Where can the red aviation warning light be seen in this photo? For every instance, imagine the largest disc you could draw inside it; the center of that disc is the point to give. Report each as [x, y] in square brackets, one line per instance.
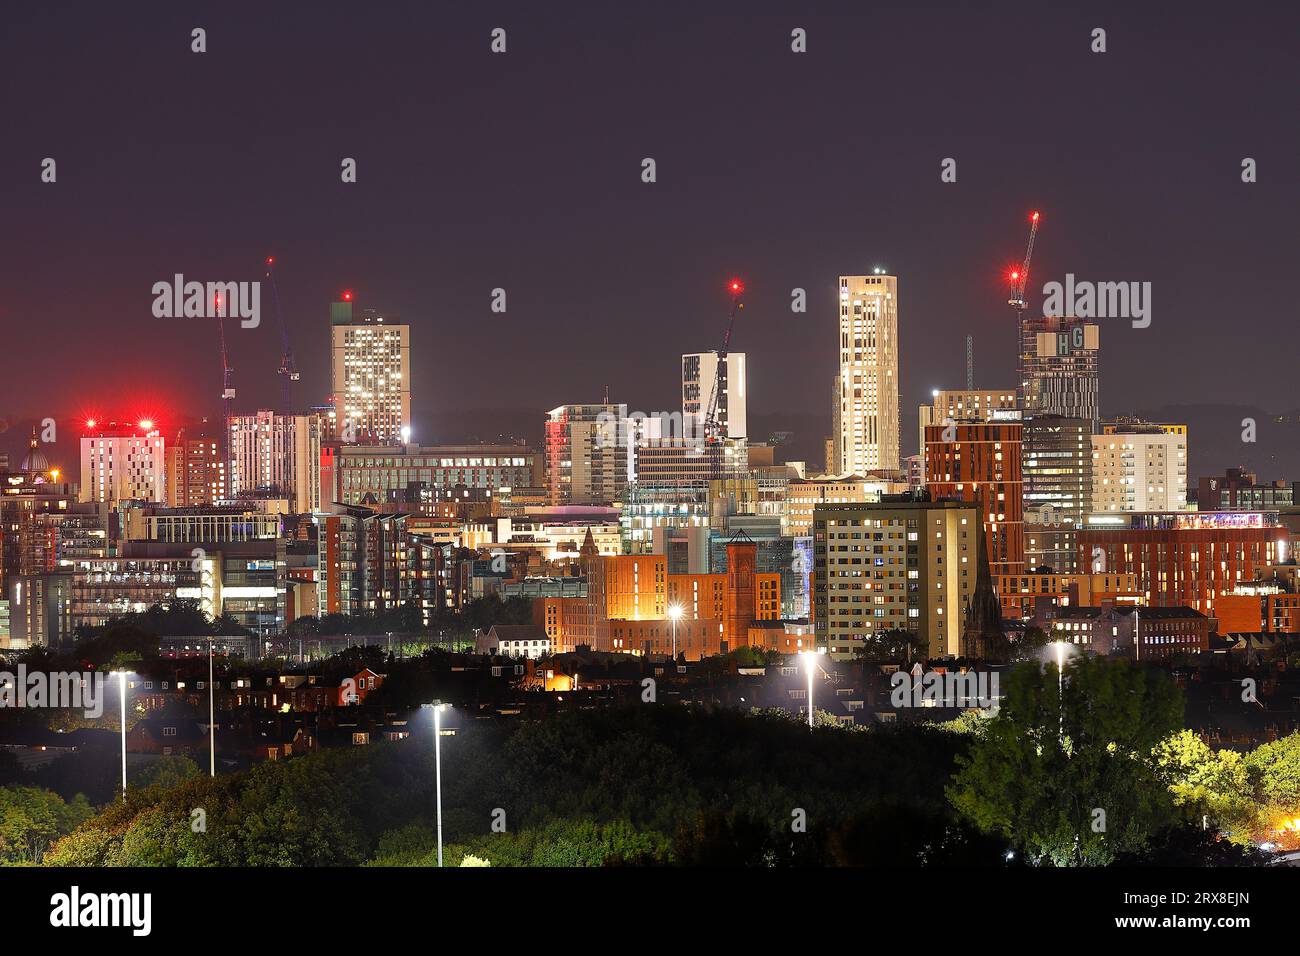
[146, 424]
[347, 295]
[735, 286]
[1034, 217]
[90, 423]
[270, 260]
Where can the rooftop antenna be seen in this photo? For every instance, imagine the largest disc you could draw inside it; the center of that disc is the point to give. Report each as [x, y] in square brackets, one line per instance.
[970, 363]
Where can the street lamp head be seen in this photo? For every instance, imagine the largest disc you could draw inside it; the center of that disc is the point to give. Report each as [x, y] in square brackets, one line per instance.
[675, 611]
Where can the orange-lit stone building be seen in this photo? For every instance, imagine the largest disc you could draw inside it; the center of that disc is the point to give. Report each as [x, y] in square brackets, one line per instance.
[1021, 594]
[626, 609]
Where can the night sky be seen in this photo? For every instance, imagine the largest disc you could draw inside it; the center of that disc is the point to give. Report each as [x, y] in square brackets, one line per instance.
[522, 171]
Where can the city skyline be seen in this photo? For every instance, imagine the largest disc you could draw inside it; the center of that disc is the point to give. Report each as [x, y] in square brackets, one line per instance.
[592, 437]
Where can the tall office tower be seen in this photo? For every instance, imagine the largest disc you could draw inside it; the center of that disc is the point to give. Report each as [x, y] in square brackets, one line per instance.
[983, 404]
[276, 455]
[1139, 467]
[866, 399]
[586, 454]
[370, 376]
[196, 470]
[1060, 367]
[1057, 489]
[916, 570]
[982, 464]
[699, 371]
[123, 463]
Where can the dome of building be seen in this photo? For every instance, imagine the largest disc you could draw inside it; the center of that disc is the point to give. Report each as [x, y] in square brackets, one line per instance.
[35, 459]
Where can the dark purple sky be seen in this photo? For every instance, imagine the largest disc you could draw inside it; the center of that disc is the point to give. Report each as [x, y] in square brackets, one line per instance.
[522, 171]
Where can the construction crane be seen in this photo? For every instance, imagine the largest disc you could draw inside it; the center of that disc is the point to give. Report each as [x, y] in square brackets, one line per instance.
[712, 428]
[288, 370]
[1019, 277]
[227, 390]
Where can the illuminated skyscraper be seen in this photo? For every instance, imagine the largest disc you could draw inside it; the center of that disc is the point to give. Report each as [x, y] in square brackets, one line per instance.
[370, 376]
[866, 409]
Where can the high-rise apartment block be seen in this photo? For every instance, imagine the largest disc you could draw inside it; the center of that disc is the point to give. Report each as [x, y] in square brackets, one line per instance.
[196, 468]
[980, 462]
[984, 404]
[123, 463]
[277, 456]
[866, 393]
[370, 376]
[586, 453]
[895, 564]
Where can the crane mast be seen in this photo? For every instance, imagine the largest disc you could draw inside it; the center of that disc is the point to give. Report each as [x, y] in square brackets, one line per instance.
[227, 396]
[288, 370]
[1019, 278]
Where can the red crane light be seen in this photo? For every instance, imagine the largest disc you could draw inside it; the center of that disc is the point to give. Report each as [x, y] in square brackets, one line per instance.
[1034, 217]
[270, 260]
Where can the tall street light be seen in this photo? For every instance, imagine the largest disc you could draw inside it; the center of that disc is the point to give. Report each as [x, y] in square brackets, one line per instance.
[212, 724]
[121, 683]
[1060, 648]
[437, 767]
[810, 665]
[675, 612]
